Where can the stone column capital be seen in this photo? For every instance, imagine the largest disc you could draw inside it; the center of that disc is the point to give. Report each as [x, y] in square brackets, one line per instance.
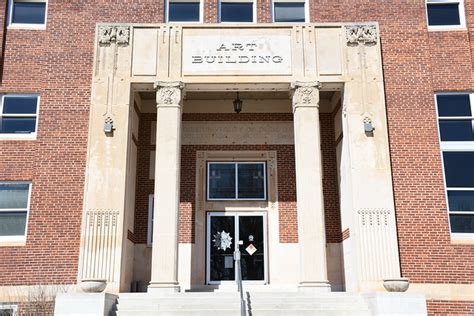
[305, 94]
[169, 93]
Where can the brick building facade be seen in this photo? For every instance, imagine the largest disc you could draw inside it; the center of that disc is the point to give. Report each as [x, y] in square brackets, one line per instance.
[59, 62]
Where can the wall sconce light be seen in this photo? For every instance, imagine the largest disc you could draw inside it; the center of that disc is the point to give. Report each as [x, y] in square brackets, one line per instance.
[237, 104]
[368, 126]
[109, 126]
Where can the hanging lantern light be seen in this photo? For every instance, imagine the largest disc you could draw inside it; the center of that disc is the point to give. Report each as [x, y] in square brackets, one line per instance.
[237, 104]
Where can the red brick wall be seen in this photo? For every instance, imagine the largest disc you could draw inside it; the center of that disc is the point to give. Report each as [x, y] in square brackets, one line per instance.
[286, 177]
[416, 63]
[450, 308]
[57, 64]
[3, 33]
[330, 181]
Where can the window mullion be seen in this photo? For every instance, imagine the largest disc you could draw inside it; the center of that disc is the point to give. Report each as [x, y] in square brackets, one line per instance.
[1, 106]
[236, 181]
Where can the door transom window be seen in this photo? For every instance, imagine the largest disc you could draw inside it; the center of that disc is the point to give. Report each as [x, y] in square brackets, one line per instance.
[236, 181]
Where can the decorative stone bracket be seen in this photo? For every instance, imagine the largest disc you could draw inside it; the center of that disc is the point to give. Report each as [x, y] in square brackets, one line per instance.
[305, 94]
[169, 92]
[119, 34]
[361, 33]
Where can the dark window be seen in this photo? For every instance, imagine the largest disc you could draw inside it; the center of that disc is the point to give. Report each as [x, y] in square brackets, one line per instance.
[12, 223]
[28, 12]
[455, 117]
[236, 12]
[462, 223]
[459, 169]
[183, 12]
[289, 12]
[443, 14]
[13, 208]
[221, 181]
[18, 114]
[453, 105]
[461, 201]
[236, 181]
[251, 180]
[456, 130]
[7, 311]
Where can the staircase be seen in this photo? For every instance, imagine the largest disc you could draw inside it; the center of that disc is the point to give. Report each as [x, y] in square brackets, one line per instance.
[227, 303]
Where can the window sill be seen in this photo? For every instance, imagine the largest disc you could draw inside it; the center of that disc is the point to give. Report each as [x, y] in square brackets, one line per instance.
[18, 136]
[236, 23]
[184, 22]
[446, 28]
[40, 27]
[462, 239]
[12, 241]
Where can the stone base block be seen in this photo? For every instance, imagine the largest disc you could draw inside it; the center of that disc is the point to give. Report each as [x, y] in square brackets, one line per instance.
[85, 304]
[396, 303]
[315, 287]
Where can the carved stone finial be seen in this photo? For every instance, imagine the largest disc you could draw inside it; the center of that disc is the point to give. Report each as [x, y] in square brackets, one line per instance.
[305, 93]
[169, 92]
[361, 33]
[119, 34]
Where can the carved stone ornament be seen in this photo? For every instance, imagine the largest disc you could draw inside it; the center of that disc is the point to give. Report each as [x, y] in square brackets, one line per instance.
[105, 34]
[222, 240]
[169, 92]
[306, 93]
[119, 34]
[122, 35]
[361, 33]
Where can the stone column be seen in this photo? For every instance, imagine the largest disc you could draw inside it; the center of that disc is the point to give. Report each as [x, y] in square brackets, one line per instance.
[309, 189]
[164, 269]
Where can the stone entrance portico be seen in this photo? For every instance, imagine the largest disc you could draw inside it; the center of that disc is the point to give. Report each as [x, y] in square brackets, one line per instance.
[302, 61]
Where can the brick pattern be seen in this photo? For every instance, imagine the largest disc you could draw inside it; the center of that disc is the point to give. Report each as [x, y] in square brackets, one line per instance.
[450, 308]
[332, 212]
[416, 63]
[211, 11]
[57, 64]
[144, 185]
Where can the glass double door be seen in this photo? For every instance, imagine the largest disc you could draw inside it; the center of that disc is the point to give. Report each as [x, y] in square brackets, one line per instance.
[226, 232]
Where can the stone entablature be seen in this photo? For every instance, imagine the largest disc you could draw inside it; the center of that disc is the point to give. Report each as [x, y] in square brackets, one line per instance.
[203, 53]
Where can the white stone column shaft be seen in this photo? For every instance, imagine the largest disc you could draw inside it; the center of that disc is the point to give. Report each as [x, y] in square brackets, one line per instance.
[309, 189]
[164, 269]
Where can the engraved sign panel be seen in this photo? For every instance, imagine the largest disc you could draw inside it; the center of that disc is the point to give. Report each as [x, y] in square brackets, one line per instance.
[214, 52]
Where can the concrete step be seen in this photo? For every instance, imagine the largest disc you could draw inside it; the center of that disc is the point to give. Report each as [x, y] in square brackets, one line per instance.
[268, 312]
[181, 306]
[180, 313]
[227, 303]
[309, 312]
[313, 306]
